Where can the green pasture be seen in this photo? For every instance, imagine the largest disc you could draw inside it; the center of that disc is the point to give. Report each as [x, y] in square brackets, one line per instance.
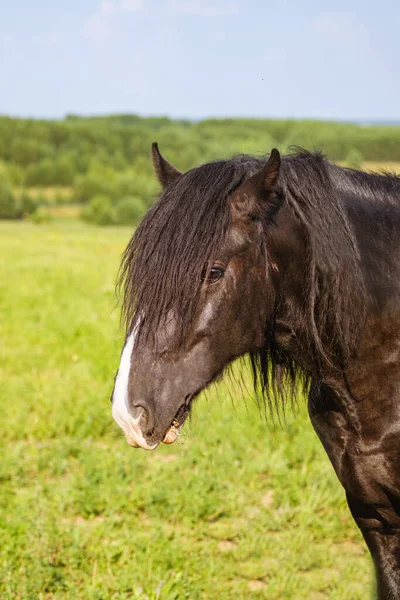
[239, 509]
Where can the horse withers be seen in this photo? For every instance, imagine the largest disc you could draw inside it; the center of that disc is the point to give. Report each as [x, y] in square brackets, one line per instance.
[295, 262]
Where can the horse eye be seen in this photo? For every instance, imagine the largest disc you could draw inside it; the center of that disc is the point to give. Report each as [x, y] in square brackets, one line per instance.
[213, 275]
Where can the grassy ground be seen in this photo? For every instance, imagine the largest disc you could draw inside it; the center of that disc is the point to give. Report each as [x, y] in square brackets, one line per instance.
[238, 510]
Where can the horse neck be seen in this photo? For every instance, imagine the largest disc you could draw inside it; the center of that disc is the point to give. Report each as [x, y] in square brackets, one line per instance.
[372, 205]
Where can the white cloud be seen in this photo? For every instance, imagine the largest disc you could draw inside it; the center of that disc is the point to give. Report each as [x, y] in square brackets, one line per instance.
[199, 9]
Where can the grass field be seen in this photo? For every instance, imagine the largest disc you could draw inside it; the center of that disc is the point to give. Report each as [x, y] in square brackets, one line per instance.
[238, 510]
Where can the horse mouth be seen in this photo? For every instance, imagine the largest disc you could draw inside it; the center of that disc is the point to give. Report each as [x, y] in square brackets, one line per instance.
[178, 421]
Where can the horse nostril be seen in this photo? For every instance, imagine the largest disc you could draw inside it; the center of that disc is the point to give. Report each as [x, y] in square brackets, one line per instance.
[137, 410]
[150, 432]
[144, 416]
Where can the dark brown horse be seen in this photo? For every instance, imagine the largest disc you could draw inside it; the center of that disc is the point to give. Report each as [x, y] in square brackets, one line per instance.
[295, 262]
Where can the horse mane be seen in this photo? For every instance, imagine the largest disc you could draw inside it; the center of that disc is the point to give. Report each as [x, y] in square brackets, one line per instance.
[333, 314]
[162, 266]
[380, 187]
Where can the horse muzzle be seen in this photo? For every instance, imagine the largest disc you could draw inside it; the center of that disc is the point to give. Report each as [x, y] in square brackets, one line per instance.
[131, 428]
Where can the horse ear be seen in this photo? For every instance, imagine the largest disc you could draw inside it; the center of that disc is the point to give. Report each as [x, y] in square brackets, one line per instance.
[255, 193]
[165, 172]
[266, 179]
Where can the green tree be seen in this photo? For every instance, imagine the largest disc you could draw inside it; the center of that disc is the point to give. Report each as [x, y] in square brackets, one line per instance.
[40, 173]
[93, 184]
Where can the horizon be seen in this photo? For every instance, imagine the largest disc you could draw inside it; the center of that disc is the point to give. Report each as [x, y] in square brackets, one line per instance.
[71, 116]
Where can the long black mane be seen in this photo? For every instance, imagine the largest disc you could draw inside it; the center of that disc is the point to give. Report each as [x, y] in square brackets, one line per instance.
[162, 266]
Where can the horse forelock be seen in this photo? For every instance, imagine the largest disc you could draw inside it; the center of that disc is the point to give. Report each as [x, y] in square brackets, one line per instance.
[179, 236]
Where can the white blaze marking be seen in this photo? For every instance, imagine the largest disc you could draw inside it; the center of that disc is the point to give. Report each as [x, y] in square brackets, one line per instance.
[120, 396]
[122, 416]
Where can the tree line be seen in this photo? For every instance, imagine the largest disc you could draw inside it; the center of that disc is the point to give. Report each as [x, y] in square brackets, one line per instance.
[105, 160]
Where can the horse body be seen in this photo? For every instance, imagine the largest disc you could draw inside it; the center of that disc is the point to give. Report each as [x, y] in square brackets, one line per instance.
[358, 418]
[296, 263]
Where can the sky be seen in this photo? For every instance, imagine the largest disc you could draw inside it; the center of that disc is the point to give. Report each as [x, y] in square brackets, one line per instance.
[201, 58]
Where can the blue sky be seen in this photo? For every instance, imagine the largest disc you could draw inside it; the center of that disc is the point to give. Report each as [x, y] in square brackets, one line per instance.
[197, 58]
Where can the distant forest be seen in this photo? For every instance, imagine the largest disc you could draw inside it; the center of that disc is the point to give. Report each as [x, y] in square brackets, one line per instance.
[109, 157]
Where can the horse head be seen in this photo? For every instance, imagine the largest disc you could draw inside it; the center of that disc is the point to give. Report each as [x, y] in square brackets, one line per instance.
[199, 290]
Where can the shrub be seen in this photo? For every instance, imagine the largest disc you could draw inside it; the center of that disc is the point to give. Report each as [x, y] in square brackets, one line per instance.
[129, 210]
[8, 205]
[26, 205]
[100, 211]
[41, 215]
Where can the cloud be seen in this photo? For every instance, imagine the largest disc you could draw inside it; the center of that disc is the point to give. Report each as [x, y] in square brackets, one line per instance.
[199, 9]
[99, 28]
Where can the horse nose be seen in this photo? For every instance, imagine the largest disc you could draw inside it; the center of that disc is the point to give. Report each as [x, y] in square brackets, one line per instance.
[137, 409]
[140, 409]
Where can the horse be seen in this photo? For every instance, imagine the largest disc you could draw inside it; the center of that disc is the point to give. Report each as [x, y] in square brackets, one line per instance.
[294, 262]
